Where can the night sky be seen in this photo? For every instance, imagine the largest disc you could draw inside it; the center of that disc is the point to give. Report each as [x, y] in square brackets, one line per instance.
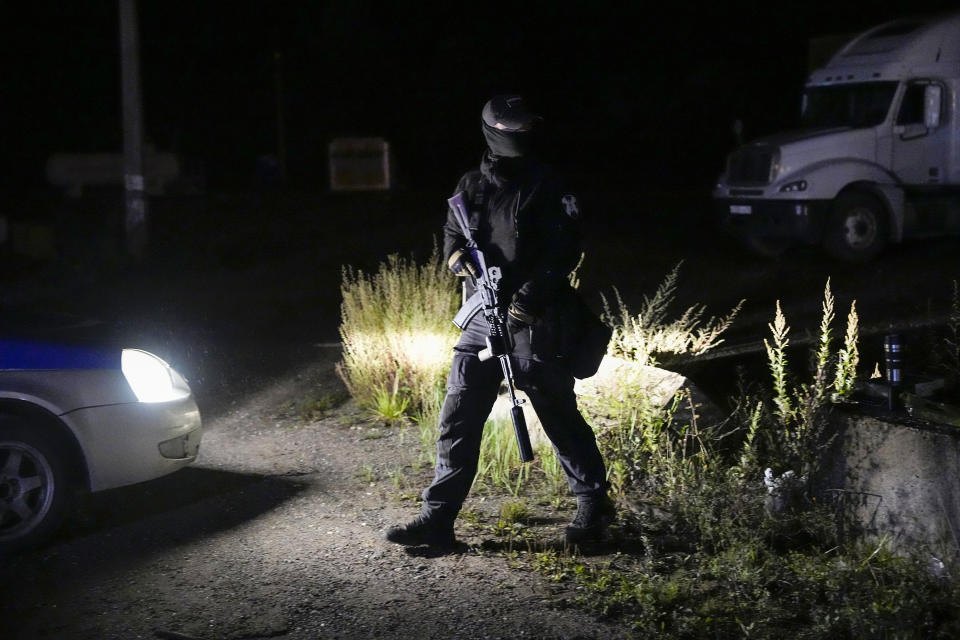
[633, 93]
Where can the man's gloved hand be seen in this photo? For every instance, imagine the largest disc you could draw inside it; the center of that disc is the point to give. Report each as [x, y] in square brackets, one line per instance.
[462, 264]
[518, 318]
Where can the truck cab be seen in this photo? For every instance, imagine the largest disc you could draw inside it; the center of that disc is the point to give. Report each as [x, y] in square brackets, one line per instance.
[876, 159]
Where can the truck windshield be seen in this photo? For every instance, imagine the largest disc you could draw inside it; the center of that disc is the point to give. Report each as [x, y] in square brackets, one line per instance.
[857, 105]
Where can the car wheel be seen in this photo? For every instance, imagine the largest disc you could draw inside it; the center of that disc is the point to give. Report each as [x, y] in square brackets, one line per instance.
[857, 229]
[34, 492]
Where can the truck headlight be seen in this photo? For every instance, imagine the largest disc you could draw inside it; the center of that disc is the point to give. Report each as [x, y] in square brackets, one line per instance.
[796, 185]
[150, 378]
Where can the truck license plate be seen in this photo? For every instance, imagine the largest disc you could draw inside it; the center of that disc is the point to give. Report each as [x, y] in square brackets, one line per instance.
[742, 209]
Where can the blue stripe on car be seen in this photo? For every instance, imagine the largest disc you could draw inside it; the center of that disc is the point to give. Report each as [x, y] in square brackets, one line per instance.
[31, 355]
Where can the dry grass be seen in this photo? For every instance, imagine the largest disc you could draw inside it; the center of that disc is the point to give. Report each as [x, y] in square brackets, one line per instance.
[649, 337]
[397, 334]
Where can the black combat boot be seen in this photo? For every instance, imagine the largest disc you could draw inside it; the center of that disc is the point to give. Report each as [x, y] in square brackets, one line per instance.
[594, 515]
[423, 530]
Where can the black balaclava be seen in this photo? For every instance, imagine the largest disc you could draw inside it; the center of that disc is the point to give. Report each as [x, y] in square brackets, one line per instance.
[507, 144]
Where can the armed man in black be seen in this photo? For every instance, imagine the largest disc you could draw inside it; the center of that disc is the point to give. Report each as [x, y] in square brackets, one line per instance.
[528, 226]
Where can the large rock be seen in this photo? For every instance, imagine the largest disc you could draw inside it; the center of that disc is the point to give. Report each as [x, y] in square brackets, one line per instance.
[615, 377]
[618, 376]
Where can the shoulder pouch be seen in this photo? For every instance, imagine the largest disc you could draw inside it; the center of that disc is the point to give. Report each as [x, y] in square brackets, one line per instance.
[590, 343]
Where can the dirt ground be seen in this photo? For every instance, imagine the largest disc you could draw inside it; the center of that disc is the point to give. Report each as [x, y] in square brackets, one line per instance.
[276, 531]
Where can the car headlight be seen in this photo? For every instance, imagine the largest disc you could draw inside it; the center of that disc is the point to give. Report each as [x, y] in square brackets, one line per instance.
[792, 187]
[150, 378]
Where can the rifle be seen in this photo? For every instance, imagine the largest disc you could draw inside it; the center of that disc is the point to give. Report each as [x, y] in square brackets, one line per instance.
[499, 341]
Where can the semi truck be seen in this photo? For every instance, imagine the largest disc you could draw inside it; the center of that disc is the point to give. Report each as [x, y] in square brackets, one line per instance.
[876, 159]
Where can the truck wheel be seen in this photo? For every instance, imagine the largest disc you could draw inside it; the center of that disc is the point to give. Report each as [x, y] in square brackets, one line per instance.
[857, 229]
[34, 491]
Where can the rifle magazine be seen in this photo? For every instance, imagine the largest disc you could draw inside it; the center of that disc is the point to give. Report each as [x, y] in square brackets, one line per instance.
[468, 310]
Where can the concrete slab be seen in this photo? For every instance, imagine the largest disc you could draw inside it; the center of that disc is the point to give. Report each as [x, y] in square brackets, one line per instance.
[900, 478]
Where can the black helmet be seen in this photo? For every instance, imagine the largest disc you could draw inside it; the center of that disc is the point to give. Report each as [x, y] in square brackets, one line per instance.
[509, 113]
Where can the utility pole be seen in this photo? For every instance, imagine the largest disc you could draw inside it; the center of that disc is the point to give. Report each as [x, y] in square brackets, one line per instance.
[135, 219]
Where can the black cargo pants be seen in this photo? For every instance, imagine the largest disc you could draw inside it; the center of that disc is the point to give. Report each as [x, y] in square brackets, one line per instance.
[472, 388]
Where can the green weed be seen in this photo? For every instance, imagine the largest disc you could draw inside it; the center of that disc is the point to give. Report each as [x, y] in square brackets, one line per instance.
[398, 478]
[500, 466]
[367, 473]
[514, 511]
[427, 418]
[316, 407]
[389, 404]
[553, 478]
[471, 517]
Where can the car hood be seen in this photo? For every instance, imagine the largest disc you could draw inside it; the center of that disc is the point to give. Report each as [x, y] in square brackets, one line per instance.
[39, 340]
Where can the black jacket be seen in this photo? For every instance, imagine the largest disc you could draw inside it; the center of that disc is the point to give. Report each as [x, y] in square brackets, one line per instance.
[526, 224]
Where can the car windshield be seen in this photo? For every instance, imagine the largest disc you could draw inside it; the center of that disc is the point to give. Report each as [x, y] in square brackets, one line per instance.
[858, 105]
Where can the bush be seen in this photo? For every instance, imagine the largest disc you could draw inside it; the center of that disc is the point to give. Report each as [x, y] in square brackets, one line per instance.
[397, 335]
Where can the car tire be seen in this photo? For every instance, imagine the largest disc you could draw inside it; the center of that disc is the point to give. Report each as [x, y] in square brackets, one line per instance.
[34, 485]
[857, 229]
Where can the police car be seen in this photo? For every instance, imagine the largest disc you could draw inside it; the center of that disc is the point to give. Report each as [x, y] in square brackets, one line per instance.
[77, 414]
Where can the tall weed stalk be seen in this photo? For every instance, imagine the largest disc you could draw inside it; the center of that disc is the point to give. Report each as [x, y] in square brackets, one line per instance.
[500, 466]
[800, 408]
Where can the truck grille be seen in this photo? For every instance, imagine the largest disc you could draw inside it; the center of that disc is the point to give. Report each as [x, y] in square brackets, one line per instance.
[750, 165]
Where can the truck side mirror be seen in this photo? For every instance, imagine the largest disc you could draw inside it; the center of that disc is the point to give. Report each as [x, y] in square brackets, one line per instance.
[931, 106]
